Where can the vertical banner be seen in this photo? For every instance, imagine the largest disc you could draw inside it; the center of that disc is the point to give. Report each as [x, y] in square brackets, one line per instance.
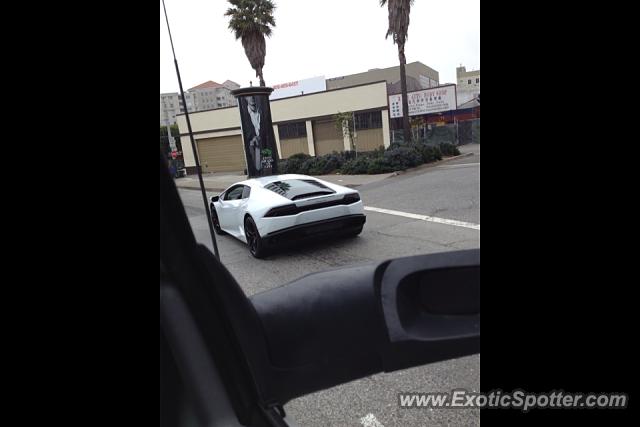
[257, 131]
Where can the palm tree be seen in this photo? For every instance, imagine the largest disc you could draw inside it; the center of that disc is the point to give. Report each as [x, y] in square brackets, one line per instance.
[398, 28]
[250, 21]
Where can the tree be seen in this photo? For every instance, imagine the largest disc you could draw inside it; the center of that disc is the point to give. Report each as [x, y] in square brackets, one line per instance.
[164, 140]
[345, 125]
[398, 28]
[251, 21]
[416, 123]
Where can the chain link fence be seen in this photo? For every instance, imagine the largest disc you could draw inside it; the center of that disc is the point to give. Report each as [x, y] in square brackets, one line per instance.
[459, 133]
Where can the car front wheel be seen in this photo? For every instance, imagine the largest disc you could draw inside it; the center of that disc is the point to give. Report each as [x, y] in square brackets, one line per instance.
[254, 241]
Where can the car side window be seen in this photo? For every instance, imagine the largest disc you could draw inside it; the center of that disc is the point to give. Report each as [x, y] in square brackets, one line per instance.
[246, 192]
[234, 193]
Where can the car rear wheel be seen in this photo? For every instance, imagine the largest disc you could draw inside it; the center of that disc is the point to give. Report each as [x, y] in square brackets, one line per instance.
[254, 241]
[216, 221]
[355, 232]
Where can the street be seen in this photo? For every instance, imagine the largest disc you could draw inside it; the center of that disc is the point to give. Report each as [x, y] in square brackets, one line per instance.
[425, 210]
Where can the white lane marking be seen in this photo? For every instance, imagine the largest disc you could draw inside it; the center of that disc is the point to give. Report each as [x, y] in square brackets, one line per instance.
[453, 222]
[370, 420]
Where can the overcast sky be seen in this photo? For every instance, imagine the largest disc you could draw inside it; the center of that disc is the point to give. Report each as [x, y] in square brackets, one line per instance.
[316, 38]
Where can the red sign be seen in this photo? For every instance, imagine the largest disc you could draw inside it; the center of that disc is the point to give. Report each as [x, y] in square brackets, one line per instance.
[174, 155]
[283, 85]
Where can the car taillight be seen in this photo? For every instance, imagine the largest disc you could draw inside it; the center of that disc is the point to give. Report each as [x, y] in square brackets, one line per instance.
[282, 211]
[351, 198]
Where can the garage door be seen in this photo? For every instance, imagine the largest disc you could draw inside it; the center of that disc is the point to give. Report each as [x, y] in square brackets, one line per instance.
[369, 139]
[222, 154]
[291, 146]
[326, 137]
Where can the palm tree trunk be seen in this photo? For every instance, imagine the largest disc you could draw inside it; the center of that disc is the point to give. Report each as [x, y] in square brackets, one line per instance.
[260, 77]
[403, 88]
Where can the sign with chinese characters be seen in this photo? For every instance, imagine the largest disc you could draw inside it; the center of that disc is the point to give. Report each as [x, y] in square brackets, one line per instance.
[441, 98]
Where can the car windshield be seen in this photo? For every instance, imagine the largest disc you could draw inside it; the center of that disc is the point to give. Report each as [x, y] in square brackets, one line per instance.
[295, 189]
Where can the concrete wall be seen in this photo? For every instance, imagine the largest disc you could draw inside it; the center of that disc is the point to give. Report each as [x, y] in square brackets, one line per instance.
[331, 102]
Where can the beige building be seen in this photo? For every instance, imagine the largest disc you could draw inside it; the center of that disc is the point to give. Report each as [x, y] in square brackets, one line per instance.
[419, 76]
[468, 84]
[206, 96]
[301, 124]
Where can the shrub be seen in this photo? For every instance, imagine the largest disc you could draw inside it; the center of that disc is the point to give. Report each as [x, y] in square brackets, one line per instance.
[399, 156]
[379, 165]
[307, 165]
[430, 153]
[402, 158]
[356, 166]
[293, 163]
[449, 149]
[329, 163]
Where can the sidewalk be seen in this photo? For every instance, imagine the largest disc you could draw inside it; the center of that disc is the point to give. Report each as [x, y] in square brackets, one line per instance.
[221, 181]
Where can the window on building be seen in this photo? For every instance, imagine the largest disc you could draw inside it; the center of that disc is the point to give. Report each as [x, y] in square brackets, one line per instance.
[478, 80]
[292, 130]
[469, 81]
[370, 120]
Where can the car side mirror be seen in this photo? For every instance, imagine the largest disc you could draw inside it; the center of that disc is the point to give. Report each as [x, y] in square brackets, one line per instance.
[336, 326]
[215, 199]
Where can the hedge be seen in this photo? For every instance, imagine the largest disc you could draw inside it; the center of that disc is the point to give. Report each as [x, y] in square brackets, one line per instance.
[398, 157]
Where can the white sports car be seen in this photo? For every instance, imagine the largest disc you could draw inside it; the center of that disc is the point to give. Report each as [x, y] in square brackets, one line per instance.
[280, 208]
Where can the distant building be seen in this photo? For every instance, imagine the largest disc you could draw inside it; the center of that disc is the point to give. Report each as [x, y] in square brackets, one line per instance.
[468, 84]
[419, 76]
[206, 96]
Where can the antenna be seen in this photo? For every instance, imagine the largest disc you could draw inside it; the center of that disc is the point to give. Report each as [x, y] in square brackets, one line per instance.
[193, 142]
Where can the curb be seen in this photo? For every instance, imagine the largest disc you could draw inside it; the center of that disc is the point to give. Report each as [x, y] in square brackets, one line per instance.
[396, 173]
[433, 164]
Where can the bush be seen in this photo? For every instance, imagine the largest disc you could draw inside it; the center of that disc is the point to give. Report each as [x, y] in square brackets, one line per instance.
[449, 149]
[328, 163]
[321, 165]
[430, 153]
[306, 166]
[399, 156]
[356, 166]
[402, 158]
[379, 165]
[293, 163]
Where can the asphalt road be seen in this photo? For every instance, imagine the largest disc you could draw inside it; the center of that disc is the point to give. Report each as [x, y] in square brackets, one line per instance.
[450, 191]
